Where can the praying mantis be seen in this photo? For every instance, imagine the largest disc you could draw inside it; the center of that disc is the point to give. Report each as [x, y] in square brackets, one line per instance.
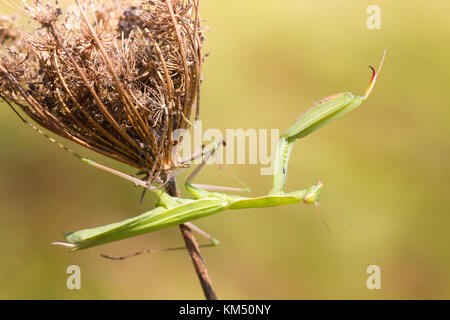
[170, 211]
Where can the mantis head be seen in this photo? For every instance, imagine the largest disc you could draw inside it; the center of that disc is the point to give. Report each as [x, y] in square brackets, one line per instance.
[313, 193]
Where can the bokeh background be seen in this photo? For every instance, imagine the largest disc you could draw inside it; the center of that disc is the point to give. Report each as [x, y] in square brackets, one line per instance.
[385, 167]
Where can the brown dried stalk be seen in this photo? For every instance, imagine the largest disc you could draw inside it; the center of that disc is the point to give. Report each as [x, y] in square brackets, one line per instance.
[194, 250]
[114, 77]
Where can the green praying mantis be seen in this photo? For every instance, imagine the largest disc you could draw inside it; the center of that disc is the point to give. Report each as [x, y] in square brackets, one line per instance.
[170, 211]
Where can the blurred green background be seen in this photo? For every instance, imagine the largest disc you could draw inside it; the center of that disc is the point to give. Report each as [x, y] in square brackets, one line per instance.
[385, 168]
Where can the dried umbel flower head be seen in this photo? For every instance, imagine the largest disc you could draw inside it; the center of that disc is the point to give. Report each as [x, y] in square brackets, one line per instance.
[116, 77]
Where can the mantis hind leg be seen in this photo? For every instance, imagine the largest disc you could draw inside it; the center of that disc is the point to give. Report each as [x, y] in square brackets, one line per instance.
[213, 242]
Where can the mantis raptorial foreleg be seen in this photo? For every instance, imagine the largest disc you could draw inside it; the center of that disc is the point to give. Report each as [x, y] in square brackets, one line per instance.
[172, 211]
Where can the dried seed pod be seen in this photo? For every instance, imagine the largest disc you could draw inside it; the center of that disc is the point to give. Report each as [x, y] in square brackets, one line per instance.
[118, 78]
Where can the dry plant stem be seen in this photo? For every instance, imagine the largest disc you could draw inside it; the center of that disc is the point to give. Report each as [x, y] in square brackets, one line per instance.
[199, 264]
[194, 250]
[116, 79]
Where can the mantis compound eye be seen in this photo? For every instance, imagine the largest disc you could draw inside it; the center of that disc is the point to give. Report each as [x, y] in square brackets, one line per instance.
[313, 193]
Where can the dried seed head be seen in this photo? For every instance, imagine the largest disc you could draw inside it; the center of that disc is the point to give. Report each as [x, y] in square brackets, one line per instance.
[116, 77]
